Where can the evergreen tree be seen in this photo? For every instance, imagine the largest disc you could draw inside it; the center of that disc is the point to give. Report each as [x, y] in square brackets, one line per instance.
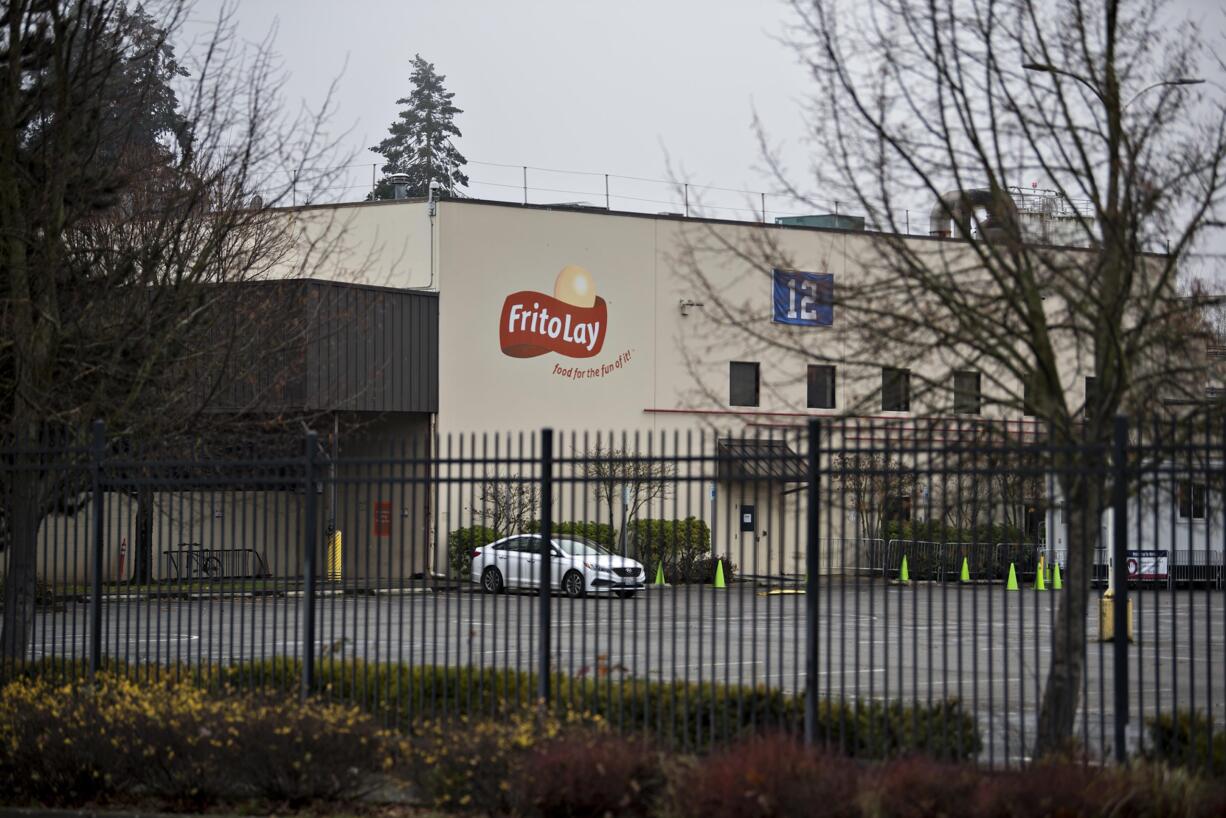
[420, 139]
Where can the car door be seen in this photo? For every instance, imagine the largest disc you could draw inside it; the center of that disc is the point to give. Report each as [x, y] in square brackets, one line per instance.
[530, 555]
[519, 552]
[506, 560]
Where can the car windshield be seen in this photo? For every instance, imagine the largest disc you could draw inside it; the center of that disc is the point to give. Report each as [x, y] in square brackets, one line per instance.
[583, 547]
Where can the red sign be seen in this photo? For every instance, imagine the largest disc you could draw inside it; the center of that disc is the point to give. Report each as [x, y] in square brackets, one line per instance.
[534, 323]
[382, 523]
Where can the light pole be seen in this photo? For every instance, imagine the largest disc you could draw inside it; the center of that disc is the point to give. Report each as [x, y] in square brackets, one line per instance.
[1046, 68]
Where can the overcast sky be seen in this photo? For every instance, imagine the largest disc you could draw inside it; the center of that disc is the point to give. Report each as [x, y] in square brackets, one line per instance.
[623, 87]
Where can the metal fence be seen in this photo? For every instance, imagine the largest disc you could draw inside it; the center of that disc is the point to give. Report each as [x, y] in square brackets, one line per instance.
[698, 585]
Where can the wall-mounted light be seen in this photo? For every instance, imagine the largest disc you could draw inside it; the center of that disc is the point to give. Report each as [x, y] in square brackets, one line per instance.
[687, 304]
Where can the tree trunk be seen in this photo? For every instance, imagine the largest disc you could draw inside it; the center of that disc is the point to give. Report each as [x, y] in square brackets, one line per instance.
[21, 581]
[1062, 692]
[142, 552]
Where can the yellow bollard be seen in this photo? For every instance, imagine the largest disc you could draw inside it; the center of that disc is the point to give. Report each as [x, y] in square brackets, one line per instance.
[1106, 618]
[335, 557]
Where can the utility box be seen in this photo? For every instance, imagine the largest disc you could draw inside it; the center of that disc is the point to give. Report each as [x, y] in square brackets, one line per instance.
[1106, 619]
[835, 221]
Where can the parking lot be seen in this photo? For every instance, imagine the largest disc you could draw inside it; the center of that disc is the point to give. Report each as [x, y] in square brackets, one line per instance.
[987, 646]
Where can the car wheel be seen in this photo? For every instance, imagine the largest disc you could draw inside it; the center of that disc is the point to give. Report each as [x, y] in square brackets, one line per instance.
[573, 584]
[491, 580]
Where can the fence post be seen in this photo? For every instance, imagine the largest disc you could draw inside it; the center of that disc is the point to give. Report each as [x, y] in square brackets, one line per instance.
[310, 526]
[546, 624]
[811, 572]
[1119, 568]
[97, 453]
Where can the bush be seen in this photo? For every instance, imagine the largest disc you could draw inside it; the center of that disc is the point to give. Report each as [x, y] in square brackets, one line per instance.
[767, 776]
[70, 744]
[679, 544]
[602, 533]
[1186, 739]
[460, 545]
[585, 772]
[683, 715]
[918, 787]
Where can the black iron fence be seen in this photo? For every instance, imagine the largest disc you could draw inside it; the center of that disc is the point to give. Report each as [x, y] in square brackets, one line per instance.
[878, 588]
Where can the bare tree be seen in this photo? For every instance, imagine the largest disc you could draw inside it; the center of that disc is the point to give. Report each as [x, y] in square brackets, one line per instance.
[509, 506]
[938, 109]
[129, 250]
[875, 483]
[627, 480]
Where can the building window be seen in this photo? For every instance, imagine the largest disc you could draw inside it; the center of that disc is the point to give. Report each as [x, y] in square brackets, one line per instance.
[895, 390]
[1091, 393]
[896, 509]
[966, 393]
[821, 386]
[1191, 500]
[742, 383]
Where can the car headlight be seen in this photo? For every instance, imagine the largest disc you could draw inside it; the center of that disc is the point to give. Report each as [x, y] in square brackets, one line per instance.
[600, 569]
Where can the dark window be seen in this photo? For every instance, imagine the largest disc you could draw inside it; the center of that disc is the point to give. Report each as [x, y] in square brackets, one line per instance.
[895, 390]
[966, 393]
[896, 509]
[1191, 500]
[742, 384]
[1091, 393]
[821, 386]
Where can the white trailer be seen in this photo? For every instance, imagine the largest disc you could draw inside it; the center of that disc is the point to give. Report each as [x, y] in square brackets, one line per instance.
[1176, 529]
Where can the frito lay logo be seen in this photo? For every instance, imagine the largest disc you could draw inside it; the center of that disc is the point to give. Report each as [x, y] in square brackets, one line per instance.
[571, 322]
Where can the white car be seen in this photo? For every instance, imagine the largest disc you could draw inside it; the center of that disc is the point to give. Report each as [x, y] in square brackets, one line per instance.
[579, 567]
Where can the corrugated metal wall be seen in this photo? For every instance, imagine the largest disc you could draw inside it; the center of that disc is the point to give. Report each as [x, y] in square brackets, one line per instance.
[315, 346]
[371, 349]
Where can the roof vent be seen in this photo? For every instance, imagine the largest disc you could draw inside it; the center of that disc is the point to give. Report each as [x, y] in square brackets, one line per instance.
[400, 185]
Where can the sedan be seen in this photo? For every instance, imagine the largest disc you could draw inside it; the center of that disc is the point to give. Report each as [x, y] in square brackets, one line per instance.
[579, 566]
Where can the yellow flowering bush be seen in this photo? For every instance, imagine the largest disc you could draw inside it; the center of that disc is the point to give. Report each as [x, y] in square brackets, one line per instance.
[463, 765]
[71, 744]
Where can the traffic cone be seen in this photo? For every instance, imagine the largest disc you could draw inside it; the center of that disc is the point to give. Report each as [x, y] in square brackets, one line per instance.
[659, 574]
[904, 574]
[1056, 583]
[966, 570]
[1011, 585]
[1039, 584]
[719, 574]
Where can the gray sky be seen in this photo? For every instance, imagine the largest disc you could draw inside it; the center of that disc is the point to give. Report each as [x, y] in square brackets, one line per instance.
[621, 87]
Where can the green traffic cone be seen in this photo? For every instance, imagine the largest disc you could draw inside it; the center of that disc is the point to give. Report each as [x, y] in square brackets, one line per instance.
[659, 574]
[966, 570]
[1011, 585]
[904, 574]
[1056, 583]
[1039, 583]
[719, 574]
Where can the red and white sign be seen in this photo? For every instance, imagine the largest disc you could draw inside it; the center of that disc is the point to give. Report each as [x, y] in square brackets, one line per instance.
[571, 322]
[381, 525]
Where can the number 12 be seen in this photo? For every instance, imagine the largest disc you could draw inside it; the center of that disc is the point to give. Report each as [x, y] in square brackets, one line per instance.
[808, 311]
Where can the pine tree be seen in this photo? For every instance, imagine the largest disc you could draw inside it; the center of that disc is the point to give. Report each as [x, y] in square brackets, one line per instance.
[420, 139]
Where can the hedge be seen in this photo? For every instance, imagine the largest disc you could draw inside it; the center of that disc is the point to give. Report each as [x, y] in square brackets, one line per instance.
[460, 545]
[685, 715]
[1186, 739]
[602, 533]
[680, 544]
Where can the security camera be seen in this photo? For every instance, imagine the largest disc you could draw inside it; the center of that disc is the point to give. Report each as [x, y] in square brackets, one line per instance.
[434, 185]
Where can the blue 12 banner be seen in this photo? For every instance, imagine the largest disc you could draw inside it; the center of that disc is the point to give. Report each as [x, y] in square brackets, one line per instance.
[803, 299]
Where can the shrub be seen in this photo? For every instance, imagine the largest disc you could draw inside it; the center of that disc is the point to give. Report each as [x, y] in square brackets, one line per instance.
[767, 776]
[585, 772]
[679, 544]
[878, 730]
[1046, 789]
[917, 787]
[1186, 739]
[602, 533]
[74, 744]
[460, 545]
